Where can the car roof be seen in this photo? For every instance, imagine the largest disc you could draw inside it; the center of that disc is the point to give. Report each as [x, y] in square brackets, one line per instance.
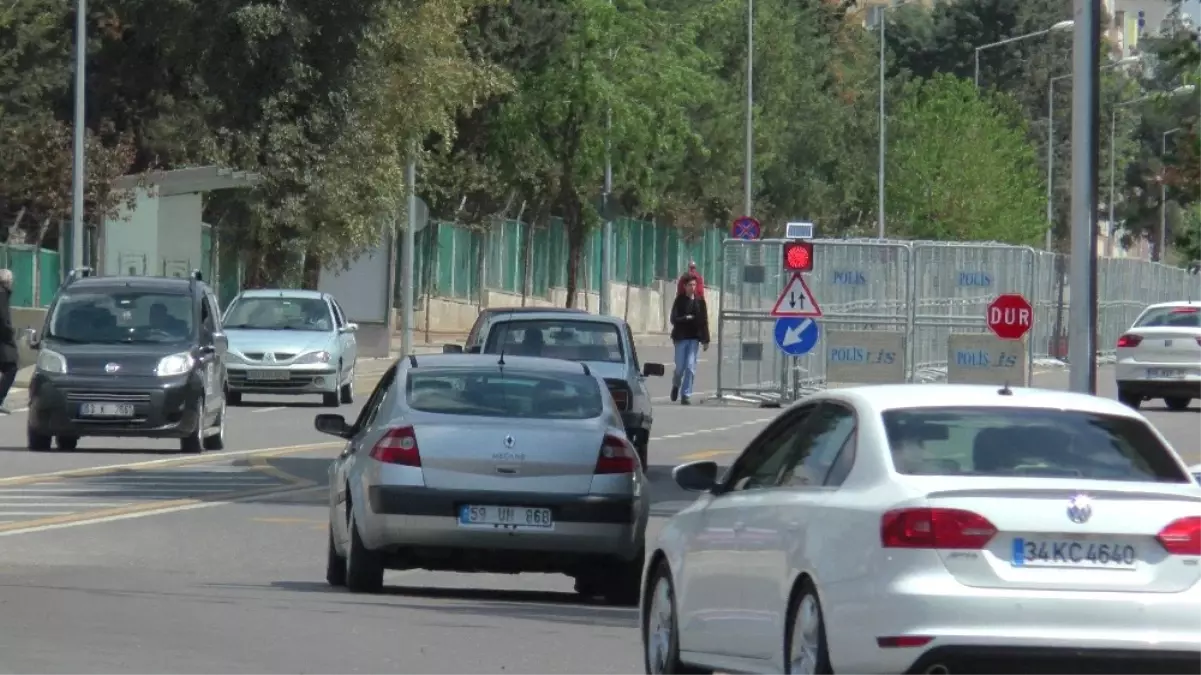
[170, 284]
[1174, 303]
[528, 310]
[282, 293]
[892, 396]
[525, 363]
[581, 316]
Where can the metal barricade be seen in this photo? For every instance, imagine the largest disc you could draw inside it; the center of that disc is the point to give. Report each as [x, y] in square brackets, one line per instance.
[749, 367]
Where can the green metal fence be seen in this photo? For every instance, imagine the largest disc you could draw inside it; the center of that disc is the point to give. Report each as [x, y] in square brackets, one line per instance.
[454, 261]
[27, 264]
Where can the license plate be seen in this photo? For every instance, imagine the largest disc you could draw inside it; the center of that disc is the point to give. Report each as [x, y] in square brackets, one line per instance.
[506, 517]
[106, 410]
[268, 375]
[1165, 373]
[1073, 554]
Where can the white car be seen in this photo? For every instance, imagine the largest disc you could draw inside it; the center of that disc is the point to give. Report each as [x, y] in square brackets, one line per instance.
[933, 529]
[1160, 356]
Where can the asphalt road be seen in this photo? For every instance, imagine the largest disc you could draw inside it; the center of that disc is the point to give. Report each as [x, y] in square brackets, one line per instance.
[126, 557]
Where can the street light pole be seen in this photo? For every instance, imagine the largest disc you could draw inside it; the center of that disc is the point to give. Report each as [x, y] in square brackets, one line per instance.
[1062, 25]
[78, 171]
[607, 230]
[1082, 313]
[880, 170]
[1162, 245]
[750, 108]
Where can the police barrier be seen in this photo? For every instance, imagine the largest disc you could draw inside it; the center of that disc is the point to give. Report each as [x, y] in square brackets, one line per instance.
[893, 312]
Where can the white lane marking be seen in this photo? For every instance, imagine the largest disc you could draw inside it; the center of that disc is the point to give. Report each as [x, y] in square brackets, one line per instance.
[262, 410]
[162, 511]
[697, 432]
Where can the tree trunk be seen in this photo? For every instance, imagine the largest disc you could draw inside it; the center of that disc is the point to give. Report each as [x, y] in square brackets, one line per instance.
[312, 270]
[573, 221]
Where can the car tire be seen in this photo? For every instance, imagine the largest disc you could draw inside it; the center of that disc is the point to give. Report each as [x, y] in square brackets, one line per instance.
[1177, 403]
[661, 615]
[217, 440]
[67, 442]
[640, 447]
[330, 400]
[194, 442]
[805, 615]
[364, 567]
[346, 391]
[1129, 400]
[623, 585]
[233, 398]
[335, 564]
[36, 441]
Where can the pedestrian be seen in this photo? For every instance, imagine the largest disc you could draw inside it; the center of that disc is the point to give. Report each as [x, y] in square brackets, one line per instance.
[691, 274]
[689, 334]
[8, 339]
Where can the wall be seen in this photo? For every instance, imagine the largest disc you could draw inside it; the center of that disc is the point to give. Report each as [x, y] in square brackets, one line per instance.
[132, 244]
[179, 235]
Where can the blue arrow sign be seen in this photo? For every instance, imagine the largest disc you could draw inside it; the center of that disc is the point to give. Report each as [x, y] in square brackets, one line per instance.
[745, 228]
[796, 335]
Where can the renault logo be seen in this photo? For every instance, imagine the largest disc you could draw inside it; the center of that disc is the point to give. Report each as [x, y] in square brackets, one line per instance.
[269, 356]
[509, 441]
[1080, 509]
[112, 367]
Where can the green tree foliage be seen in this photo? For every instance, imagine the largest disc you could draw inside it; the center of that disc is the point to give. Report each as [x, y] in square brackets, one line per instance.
[961, 170]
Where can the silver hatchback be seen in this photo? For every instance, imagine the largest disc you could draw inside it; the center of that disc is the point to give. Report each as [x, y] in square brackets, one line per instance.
[487, 463]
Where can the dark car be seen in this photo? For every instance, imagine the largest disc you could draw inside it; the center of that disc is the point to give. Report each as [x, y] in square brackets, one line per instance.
[604, 343]
[129, 357]
[475, 337]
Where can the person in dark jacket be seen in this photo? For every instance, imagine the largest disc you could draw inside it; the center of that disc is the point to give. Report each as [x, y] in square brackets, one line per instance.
[689, 334]
[8, 339]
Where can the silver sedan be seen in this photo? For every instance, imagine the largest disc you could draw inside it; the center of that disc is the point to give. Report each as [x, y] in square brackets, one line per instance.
[483, 463]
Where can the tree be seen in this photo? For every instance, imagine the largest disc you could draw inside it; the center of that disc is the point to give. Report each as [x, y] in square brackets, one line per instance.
[960, 169]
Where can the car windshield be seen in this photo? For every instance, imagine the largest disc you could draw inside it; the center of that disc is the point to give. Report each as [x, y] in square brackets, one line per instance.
[557, 339]
[1031, 442]
[121, 316]
[1171, 317]
[279, 313]
[487, 392]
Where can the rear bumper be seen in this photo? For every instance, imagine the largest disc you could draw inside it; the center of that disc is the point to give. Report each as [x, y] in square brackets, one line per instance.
[420, 526]
[985, 659]
[1161, 388]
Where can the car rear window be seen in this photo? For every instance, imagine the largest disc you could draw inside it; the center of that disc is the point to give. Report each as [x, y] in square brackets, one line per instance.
[557, 339]
[1170, 317]
[1048, 443]
[511, 393]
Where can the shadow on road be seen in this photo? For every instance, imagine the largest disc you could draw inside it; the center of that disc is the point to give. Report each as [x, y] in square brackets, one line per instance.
[533, 605]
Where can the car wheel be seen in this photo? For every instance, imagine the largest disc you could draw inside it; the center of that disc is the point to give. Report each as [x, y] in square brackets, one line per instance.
[217, 440]
[346, 392]
[36, 441]
[67, 442]
[805, 649]
[643, 451]
[1128, 399]
[335, 565]
[194, 442]
[660, 627]
[623, 584]
[1177, 403]
[330, 400]
[233, 398]
[364, 568]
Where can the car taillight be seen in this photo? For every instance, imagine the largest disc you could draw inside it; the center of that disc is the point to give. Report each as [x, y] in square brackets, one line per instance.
[1182, 536]
[398, 446]
[616, 456]
[935, 528]
[1185, 310]
[1129, 340]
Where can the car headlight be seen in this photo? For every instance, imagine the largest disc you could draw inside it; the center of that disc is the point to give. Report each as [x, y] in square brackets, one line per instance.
[50, 361]
[175, 364]
[314, 357]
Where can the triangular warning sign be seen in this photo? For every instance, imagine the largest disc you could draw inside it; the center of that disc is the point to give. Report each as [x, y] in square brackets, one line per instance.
[796, 299]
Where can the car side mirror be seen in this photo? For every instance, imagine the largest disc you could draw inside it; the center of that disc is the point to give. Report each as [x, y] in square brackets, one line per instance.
[696, 476]
[220, 342]
[452, 349]
[30, 337]
[653, 369]
[350, 328]
[334, 425]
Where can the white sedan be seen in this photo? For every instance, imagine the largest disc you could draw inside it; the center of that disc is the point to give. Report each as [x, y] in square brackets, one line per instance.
[933, 529]
[1160, 356]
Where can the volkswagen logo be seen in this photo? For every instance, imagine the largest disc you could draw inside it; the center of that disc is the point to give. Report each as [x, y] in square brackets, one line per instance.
[509, 441]
[112, 367]
[1080, 509]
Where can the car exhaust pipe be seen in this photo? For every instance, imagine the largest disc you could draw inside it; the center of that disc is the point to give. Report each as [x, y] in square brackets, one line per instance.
[938, 669]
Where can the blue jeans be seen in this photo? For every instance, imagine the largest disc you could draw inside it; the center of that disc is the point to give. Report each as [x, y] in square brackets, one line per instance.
[686, 355]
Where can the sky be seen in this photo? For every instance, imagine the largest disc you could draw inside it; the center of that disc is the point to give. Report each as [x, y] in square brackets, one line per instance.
[1193, 8]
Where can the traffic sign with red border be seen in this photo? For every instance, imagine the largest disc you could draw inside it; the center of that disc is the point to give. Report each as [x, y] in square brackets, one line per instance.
[1010, 316]
[796, 299]
[745, 228]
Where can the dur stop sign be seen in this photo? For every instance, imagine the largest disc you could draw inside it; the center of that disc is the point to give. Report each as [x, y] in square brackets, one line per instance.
[1010, 316]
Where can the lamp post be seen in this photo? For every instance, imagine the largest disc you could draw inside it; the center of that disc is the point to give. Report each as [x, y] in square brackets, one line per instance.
[883, 124]
[1113, 132]
[1162, 246]
[1051, 143]
[1062, 25]
[750, 108]
[78, 172]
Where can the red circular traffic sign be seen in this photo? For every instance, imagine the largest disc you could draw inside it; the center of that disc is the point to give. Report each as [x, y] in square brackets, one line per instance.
[1010, 316]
